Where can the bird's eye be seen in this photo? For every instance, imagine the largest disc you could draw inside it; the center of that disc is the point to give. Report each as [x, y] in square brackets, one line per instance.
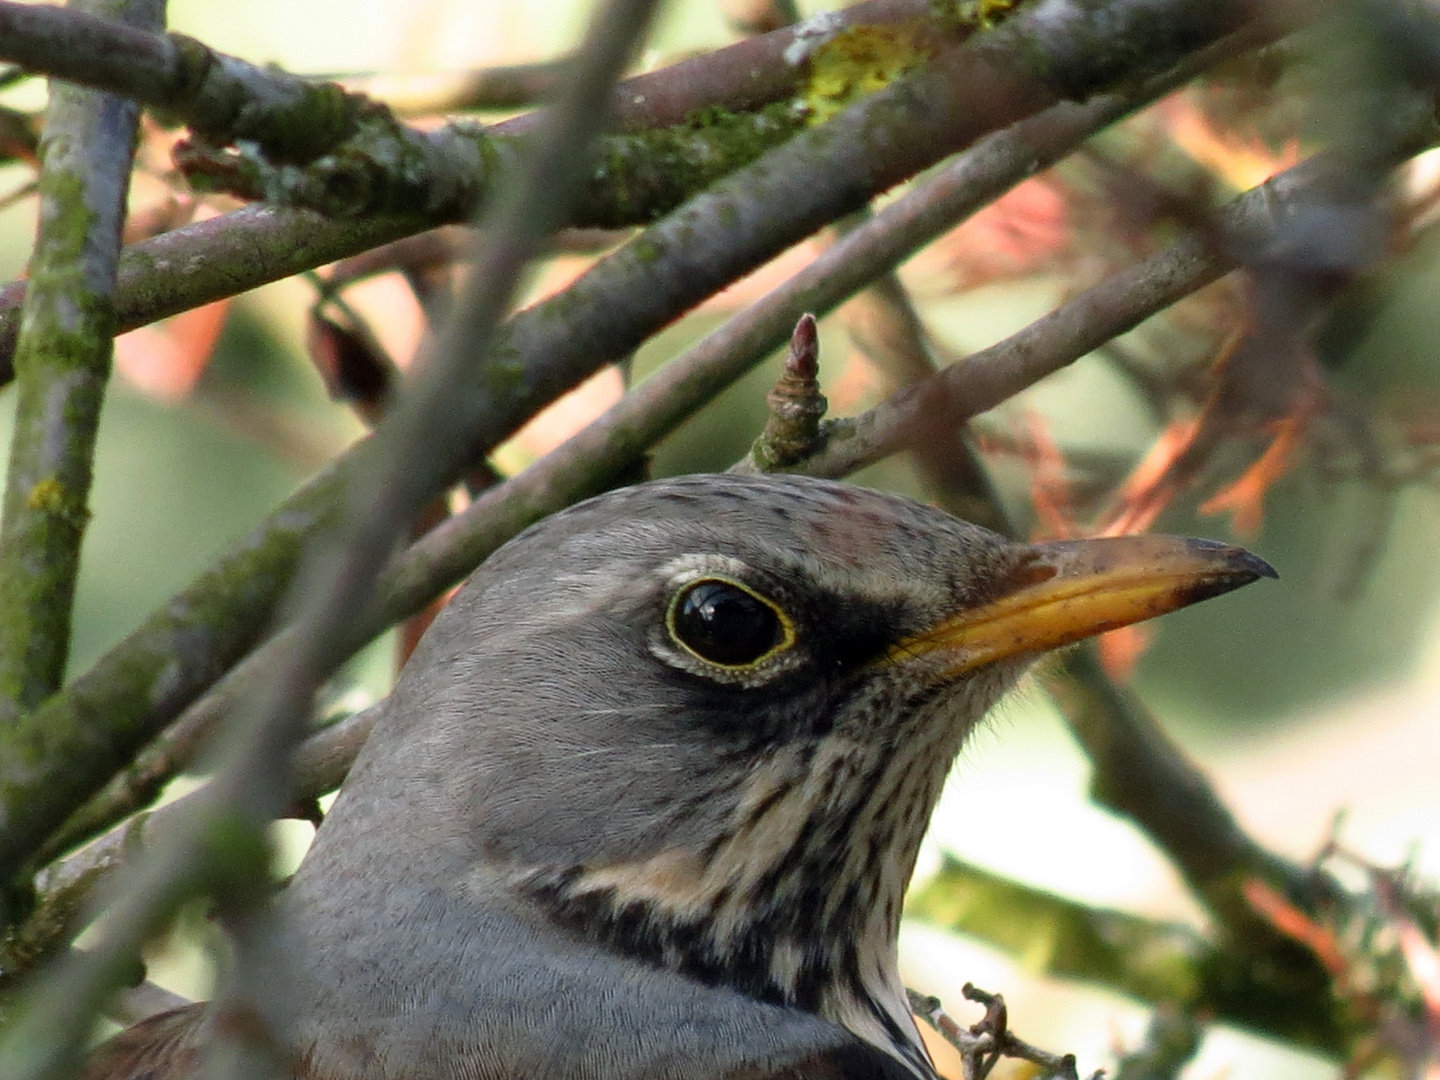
[727, 624]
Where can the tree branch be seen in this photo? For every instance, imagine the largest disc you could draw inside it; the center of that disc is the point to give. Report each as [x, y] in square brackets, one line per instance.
[742, 77]
[66, 888]
[63, 364]
[1162, 964]
[885, 327]
[1153, 961]
[1106, 310]
[1141, 775]
[305, 144]
[220, 97]
[608, 448]
[245, 249]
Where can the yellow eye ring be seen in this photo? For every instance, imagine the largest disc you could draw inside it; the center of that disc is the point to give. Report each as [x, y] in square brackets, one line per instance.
[728, 624]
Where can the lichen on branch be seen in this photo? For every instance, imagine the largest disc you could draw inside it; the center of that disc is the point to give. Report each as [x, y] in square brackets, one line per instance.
[63, 364]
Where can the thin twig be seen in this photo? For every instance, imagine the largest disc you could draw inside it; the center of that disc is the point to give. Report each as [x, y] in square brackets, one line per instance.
[1141, 774]
[320, 764]
[747, 75]
[430, 93]
[984, 1044]
[885, 327]
[1114, 306]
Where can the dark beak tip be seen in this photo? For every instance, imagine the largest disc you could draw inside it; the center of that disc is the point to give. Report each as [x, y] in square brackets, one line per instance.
[1254, 566]
[1237, 561]
[1249, 568]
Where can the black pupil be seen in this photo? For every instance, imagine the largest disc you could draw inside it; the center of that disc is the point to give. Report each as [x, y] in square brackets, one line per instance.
[725, 624]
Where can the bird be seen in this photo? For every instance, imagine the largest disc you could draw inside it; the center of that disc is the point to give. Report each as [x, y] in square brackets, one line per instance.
[645, 801]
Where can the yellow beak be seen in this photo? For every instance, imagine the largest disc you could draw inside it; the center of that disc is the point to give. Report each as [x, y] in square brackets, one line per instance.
[1063, 592]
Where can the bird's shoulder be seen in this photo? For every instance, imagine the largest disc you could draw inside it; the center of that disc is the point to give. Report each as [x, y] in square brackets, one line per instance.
[166, 1046]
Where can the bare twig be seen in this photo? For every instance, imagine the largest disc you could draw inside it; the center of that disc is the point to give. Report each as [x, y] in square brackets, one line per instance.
[886, 328]
[796, 403]
[982, 1045]
[301, 143]
[1141, 774]
[641, 178]
[67, 889]
[210, 260]
[63, 363]
[1114, 306]
[747, 75]
[298, 142]
[320, 764]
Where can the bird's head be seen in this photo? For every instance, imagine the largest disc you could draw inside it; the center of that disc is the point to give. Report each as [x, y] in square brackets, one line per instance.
[704, 722]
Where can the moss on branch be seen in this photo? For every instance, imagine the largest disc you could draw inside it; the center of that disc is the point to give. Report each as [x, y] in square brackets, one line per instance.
[63, 364]
[641, 176]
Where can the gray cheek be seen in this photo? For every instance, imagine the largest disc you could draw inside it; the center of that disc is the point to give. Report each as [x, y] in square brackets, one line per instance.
[539, 772]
